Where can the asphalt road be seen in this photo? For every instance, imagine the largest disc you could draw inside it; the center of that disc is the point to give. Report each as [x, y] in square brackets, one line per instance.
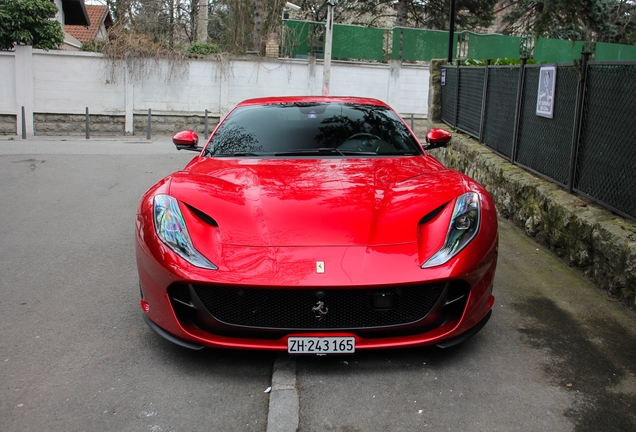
[75, 353]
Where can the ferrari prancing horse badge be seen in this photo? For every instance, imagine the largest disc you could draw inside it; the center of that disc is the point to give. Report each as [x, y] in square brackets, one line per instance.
[320, 266]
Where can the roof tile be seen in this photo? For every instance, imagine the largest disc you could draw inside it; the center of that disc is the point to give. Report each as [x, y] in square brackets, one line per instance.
[98, 15]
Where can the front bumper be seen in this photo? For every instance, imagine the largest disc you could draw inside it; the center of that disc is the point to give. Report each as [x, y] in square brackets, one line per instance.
[175, 294]
[457, 312]
[447, 344]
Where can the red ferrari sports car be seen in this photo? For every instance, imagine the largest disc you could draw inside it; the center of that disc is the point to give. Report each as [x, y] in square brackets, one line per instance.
[315, 225]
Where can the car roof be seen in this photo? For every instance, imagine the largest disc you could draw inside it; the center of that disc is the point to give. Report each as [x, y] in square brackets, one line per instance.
[312, 99]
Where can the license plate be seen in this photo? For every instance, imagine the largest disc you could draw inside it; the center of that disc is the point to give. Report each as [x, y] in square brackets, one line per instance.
[321, 345]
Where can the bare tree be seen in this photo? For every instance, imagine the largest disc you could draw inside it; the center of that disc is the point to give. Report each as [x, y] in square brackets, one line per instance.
[238, 26]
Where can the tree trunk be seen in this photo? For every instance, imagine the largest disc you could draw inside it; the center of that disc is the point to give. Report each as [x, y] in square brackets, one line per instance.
[402, 13]
[202, 21]
[258, 25]
[171, 36]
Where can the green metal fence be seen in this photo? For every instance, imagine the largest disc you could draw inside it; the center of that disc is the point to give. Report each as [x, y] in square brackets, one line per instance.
[306, 38]
[557, 51]
[415, 44]
[491, 46]
[613, 52]
[353, 42]
[302, 38]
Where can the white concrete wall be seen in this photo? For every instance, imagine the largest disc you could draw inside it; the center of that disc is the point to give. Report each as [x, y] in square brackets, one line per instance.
[349, 79]
[193, 89]
[7, 89]
[413, 91]
[250, 79]
[67, 82]
[24, 95]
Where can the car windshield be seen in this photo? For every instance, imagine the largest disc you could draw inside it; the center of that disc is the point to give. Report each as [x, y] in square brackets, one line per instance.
[290, 129]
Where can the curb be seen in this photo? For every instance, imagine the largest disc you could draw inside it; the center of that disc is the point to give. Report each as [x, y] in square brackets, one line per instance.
[283, 400]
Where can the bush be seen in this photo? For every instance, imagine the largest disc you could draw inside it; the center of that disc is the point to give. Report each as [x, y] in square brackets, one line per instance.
[496, 62]
[29, 22]
[93, 46]
[203, 48]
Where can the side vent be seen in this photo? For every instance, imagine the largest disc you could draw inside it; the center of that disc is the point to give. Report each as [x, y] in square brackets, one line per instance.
[432, 215]
[204, 217]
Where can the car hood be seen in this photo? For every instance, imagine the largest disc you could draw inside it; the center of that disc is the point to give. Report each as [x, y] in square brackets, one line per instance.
[312, 201]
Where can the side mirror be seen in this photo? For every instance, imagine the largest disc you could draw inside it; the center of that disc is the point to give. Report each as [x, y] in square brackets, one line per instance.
[437, 137]
[186, 140]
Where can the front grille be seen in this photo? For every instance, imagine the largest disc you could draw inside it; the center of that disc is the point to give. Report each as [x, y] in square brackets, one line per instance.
[292, 308]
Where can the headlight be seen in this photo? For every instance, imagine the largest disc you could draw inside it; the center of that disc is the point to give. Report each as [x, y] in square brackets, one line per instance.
[172, 230]
[462, 229]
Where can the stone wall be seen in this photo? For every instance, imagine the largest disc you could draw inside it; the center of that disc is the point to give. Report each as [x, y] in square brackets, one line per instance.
[600, 244]
[75, 124]
[112, 125]
[170, 124]
[7, 124]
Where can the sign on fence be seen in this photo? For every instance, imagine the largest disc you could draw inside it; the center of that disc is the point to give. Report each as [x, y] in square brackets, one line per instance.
[545, 95]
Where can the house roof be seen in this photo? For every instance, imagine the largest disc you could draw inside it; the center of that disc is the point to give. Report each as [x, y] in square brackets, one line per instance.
[75, 12]
[98, 15]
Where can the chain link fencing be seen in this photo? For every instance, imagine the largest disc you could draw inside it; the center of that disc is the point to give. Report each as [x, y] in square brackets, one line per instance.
[587, 144]
[449, 95]
[544, 144]
[606, 163]
[499, 119]
[471, 94]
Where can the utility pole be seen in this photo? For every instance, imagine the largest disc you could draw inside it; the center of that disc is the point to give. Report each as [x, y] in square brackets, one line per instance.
[451, 32]
[326, 74]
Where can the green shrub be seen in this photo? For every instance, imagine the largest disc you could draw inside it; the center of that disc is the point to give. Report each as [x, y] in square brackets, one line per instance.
[203, 48]
[93, 46]
[496, 62]
[29, 22]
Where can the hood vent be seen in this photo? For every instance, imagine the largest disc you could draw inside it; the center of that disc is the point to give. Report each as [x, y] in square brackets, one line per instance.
[204, 217]
[432, 215]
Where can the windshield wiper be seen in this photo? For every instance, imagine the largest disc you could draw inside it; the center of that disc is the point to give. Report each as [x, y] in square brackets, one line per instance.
[234, 154]
[324, 151]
